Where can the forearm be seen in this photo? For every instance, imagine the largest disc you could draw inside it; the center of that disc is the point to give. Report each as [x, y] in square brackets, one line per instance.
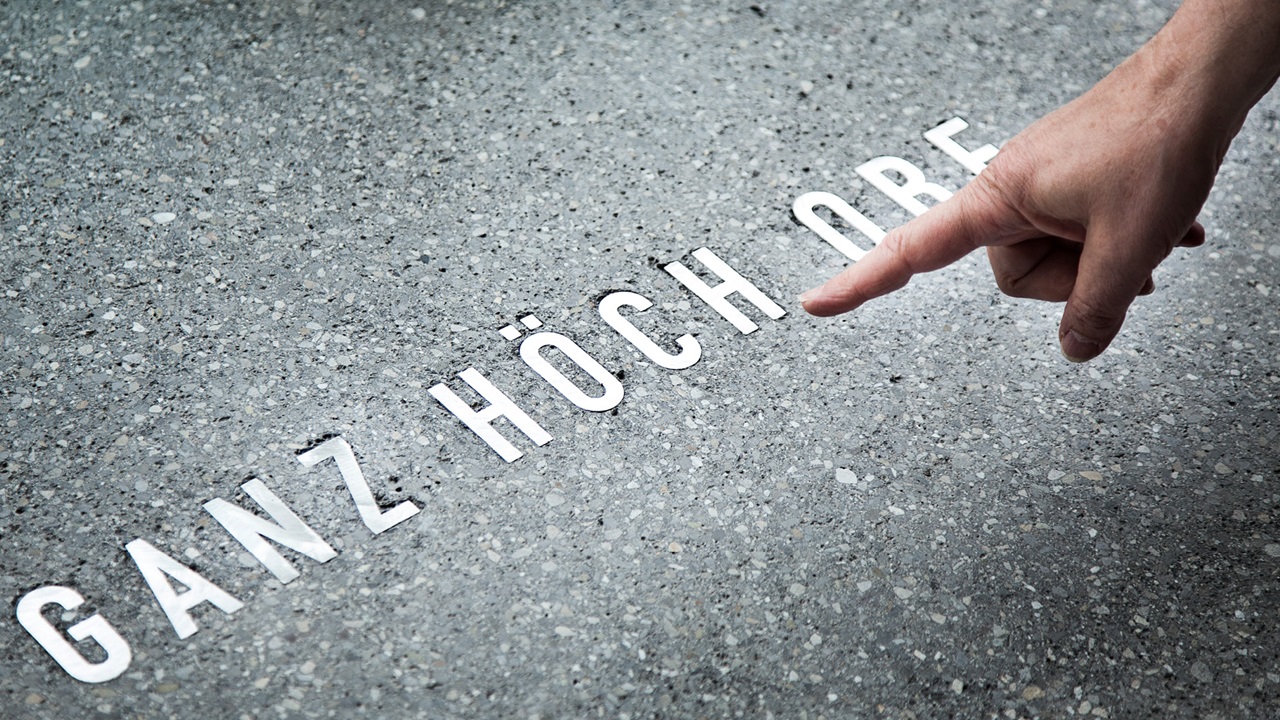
[1220, 56]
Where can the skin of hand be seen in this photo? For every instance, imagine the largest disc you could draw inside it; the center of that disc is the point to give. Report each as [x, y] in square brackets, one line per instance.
[1084, 204]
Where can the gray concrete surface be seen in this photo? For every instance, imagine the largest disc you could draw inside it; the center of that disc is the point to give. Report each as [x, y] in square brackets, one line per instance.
[916, 511]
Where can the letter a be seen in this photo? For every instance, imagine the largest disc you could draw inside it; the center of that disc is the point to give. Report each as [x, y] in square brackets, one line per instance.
[157, 568]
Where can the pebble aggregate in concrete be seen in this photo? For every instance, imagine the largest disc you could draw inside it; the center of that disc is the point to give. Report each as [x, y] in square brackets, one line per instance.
[231, 232]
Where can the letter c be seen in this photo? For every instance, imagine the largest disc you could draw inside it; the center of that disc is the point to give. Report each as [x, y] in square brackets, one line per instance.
[690, 350]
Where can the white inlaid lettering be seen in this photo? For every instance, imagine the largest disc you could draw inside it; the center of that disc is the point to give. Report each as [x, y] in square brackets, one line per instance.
[95, 627]
[913, 186]
[372, 515]
[480, 421]
[803, 209]
[733, 283]
[975, 161]
[157, 568]
[531, 353]
[252, 531]
[690, 350]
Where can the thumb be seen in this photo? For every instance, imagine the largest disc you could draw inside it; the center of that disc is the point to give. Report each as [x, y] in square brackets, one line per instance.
[1112, 272]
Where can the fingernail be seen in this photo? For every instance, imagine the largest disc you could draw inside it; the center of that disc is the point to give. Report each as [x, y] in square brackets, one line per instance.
[808, 295]
[1078, 348]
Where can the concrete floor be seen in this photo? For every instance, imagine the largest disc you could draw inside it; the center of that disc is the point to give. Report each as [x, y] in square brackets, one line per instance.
[232, 234]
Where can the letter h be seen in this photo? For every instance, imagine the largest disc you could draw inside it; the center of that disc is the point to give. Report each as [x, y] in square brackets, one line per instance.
[480, 421]
[716, 296]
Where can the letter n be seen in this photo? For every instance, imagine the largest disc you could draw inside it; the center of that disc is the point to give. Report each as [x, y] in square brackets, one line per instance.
[252, 531]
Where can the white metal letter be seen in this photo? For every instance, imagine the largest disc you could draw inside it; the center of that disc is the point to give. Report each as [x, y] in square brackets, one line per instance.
[803, 210]
[155, 565]
[914, 185]
[64, 653]
[733, 282]
[975, 161]
[690, 350]
[531, 353]
[374, 518]
[479, 420]
[252, 531]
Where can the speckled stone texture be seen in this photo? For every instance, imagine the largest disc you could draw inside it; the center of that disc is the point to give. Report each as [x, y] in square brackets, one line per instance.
[230, 233]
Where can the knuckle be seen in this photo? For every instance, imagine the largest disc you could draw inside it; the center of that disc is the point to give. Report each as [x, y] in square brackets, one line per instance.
[1005, 180]
[893, 245]
[996, 199]
[1012, 273]
[1007, 282]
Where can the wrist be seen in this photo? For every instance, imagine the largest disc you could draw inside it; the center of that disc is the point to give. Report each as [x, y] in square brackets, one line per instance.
[1216, 59]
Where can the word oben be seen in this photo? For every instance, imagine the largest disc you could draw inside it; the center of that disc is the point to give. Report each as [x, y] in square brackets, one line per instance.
[285, 528]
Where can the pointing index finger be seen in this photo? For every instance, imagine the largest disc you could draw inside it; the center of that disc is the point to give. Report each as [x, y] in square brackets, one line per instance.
[934, 240]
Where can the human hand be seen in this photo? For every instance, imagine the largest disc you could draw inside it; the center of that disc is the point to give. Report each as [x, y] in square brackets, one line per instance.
[1081, 206]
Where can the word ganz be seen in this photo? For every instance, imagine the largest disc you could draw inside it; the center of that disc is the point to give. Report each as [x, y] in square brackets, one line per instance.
[282, 526]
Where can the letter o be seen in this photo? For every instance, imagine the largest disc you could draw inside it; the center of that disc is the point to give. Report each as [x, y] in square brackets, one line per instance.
[803, 208]
[531, 353]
